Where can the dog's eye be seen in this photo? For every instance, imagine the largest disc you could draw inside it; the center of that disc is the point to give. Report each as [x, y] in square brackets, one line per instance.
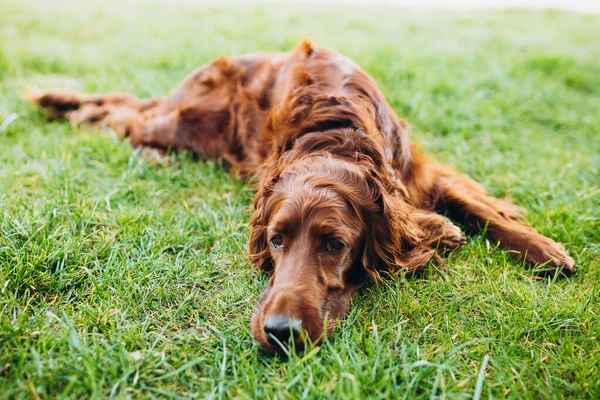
[334, 245]
[277, 242]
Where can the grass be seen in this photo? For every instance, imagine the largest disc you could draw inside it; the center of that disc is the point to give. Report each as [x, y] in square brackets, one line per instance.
[124, 279]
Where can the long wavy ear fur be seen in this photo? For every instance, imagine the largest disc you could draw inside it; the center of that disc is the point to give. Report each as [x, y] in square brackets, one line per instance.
[399, 237]
[258, 244]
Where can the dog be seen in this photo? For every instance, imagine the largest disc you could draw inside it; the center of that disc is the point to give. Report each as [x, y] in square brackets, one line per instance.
[342, 196]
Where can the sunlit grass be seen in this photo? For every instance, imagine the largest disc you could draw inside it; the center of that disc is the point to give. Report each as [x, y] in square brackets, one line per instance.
[122, 278]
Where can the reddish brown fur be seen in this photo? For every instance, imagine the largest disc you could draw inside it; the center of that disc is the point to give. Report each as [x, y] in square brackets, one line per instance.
[332, 160]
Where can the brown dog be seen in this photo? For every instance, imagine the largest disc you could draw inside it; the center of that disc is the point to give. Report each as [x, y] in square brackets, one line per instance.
[342, 195]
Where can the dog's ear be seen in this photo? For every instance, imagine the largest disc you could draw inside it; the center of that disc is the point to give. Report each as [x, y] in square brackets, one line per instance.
[258, 245]
[396, 239]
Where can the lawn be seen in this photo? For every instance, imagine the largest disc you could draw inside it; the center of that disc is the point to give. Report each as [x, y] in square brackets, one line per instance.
[123, 278]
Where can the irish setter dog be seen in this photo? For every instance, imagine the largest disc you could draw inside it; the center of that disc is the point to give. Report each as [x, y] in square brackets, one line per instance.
[342, 196]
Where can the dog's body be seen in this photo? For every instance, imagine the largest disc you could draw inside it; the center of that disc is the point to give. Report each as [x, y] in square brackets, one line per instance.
[342, 194]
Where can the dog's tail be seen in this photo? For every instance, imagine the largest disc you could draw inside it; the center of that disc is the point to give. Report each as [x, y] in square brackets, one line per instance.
[118, 111]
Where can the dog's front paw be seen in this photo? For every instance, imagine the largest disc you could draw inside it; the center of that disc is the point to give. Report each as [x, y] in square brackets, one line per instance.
[453, 237]
[552, 256]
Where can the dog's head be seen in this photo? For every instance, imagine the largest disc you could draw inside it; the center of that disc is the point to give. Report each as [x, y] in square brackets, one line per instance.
[322, 223]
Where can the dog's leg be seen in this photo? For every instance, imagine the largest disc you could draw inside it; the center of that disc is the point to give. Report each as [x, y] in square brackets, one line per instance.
[61, 101]
[117, 111]
[195, 116]
[434, 186]
[201, 125]
[467, 200]
[438, 226]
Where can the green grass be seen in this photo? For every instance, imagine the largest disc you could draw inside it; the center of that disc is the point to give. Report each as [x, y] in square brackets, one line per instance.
[122, 278]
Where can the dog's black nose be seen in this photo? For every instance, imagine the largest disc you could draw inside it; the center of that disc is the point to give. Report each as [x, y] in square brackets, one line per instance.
[281, 327]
